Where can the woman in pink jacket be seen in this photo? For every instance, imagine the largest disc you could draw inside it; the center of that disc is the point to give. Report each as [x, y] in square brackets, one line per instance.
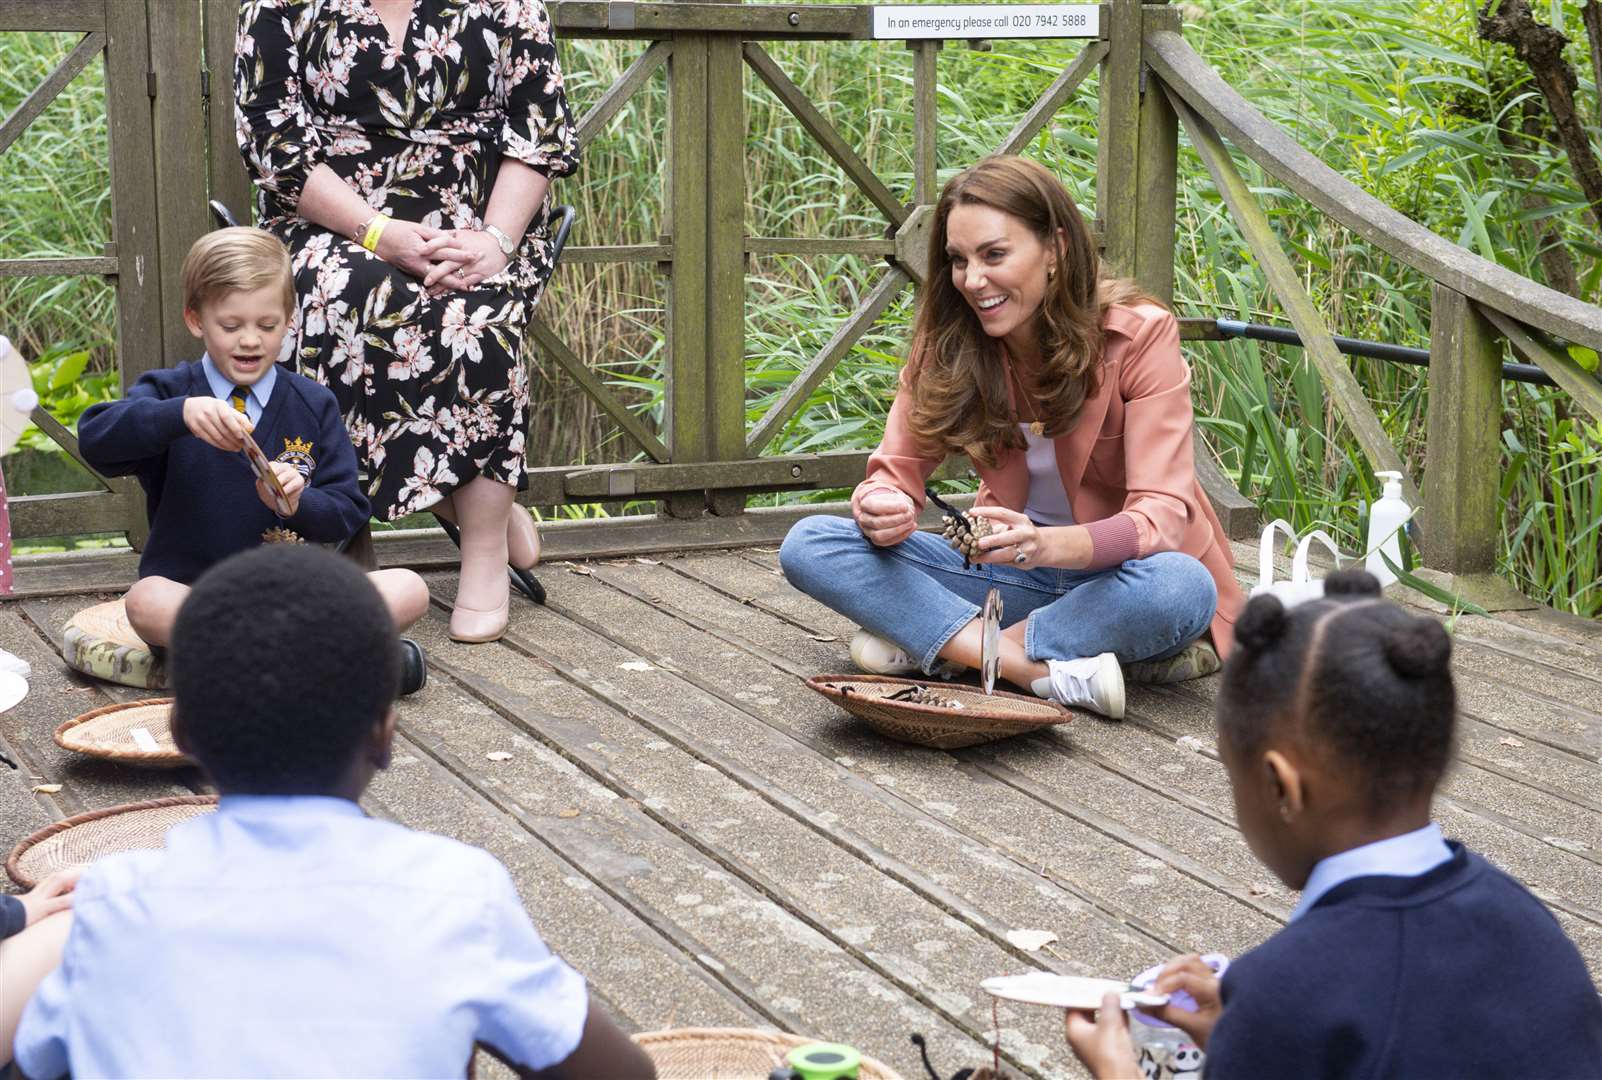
[1066, 389]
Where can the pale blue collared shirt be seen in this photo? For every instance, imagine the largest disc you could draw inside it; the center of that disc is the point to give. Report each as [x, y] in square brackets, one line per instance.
[295, 936]
[1408, 855]
[257, 394]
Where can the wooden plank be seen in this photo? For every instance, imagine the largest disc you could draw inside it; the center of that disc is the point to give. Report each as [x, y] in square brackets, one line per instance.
[34, 104]
[754, 21]
[1463, 473]
[1186, 74]
[597, 391]
[1580, 384]
[618, 94]
[686, 408]
[1236, 513]
[134, 217]
[179, 124]
[51, 267]
[226, 177]
[55, 15]
[925, 120]
[73, 513]
[836, 469]
[1118, 136]
[725, 261]
[795, 396]
[617, 253]
[1283, 279]
[827, 135]
[89, 570]
[1156, 196]
[1055, 97]
[823, 245]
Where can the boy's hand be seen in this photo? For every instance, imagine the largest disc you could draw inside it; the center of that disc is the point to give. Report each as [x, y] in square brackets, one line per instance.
[1101, 1040]
[292, 482]
[214, 421]
[1192, 975]
[51, 895]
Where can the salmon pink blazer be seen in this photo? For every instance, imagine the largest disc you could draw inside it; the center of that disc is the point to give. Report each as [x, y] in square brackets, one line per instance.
[1127, 464]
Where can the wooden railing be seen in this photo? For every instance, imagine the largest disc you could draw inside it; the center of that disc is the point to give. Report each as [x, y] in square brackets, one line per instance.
[171, 131]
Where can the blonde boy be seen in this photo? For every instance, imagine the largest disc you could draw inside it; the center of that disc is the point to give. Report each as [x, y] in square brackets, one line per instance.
[180, 431]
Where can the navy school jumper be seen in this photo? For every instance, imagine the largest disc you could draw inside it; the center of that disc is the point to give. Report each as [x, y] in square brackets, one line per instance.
[202, 501]
[1458, 972]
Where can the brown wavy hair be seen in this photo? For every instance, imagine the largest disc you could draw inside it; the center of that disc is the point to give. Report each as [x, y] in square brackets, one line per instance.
[958, 384]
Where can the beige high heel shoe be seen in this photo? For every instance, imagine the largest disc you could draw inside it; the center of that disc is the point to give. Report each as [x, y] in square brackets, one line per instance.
[522, 539]
[473, 626]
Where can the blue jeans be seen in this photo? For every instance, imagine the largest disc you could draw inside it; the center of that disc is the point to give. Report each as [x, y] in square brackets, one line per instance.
[918, 595]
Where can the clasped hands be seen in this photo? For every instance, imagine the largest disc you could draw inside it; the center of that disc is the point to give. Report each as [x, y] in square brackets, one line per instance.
[445, 259]
[888, 517]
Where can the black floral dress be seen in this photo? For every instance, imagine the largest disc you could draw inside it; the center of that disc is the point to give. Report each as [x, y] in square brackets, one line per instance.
[433, 389]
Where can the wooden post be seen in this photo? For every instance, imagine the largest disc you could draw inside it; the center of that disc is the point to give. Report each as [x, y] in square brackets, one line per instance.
[179, 129]
[225, 168]
[1462, 510]
[1157, 166]
[925, 119]
[725, 259]
[133, 191]
[687, 414]
[1118, 136]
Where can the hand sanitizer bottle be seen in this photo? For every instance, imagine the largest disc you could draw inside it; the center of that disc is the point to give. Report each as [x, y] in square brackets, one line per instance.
[1385, 523]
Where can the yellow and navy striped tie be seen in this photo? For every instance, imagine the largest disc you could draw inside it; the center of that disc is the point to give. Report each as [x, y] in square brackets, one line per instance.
[237, 398]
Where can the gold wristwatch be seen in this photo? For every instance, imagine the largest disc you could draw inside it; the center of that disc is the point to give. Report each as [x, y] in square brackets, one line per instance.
[508, 245]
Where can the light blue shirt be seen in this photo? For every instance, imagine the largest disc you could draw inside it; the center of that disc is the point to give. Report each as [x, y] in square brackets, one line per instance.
[257, 394]
[1408, 855]
[293, 937]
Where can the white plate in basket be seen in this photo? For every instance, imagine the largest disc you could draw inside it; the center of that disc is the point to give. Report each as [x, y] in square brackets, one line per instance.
[1066, 991]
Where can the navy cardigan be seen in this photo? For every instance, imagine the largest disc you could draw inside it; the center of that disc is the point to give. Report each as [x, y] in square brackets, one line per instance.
[1458, 972]
[202, 501]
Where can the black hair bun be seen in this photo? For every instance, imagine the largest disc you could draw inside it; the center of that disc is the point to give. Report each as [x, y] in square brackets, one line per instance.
[1262, 623]
[1418, 648]
[1351, 583]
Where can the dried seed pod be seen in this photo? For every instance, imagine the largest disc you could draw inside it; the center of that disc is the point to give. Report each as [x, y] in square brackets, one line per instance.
[279, 535]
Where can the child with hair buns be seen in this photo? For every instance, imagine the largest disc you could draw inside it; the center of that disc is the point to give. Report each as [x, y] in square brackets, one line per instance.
[1408, 955]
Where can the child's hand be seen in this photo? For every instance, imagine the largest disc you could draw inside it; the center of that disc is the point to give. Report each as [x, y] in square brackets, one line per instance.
[1192, 975]
[214, 421]
[51, 895]
[1101, 1040]
[292, 482]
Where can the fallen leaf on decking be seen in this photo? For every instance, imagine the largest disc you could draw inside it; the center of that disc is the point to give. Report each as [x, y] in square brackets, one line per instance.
[1030, 940]
[498, 755]
[636, 665]
[46, 789]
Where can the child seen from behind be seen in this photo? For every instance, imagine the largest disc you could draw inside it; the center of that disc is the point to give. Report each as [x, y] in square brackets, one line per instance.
[288, 934]
[1408, 955]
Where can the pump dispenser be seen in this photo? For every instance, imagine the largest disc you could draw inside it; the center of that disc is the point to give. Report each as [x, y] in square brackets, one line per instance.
[1385, 523]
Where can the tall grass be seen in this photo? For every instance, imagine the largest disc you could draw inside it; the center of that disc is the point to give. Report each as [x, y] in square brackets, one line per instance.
[1390, 93]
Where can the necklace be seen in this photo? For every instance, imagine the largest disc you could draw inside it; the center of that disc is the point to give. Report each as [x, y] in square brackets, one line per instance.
[1036, 427]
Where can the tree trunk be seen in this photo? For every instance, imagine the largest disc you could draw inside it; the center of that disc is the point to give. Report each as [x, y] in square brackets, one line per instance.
[1592, 14]
[1557, 264]
[1541, 48]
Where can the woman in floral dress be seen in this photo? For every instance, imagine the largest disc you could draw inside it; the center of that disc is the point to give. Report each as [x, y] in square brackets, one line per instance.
[437, 124]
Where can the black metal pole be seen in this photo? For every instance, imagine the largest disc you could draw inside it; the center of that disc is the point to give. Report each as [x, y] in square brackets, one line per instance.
[1374, 350]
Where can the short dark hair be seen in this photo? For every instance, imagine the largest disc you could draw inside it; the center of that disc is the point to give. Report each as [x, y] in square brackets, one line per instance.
[283, 659]
[1352, 675]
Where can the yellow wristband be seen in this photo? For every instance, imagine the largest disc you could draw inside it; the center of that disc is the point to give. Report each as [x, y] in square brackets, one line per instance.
[375, 229]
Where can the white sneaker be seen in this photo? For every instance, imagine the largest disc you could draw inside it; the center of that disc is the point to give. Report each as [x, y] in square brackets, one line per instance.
[1090, 682]
[877, 656]
[14, 663]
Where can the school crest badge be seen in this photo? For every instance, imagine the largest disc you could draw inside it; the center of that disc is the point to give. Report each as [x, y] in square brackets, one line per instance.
[298, 452]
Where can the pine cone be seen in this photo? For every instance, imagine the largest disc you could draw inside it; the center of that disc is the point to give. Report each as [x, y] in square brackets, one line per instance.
[280, 535]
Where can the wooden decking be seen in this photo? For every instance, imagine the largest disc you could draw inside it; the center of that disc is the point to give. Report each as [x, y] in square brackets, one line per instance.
[712, 844]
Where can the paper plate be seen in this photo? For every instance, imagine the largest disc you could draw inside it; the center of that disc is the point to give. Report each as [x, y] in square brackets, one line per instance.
[13, 688]
[17, 397]
[1066, 991]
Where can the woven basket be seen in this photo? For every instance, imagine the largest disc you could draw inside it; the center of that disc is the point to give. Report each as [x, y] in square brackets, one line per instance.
[83, 838]
[113, 733]
[981, 719]
[731, 1054]
[98, 641]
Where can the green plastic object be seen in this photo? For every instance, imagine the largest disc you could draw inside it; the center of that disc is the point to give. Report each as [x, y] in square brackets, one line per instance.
[824, 1061]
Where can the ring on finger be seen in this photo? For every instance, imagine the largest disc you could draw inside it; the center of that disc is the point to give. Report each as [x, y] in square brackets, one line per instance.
[1021, 558]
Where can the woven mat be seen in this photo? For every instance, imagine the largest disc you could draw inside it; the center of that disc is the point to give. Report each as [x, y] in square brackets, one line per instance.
[86, 837]
[98, 641]
[938, 714]
[134, 732]
[731, 1054]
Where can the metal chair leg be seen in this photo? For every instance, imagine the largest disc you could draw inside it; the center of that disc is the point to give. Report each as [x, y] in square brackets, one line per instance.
[523, 581]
